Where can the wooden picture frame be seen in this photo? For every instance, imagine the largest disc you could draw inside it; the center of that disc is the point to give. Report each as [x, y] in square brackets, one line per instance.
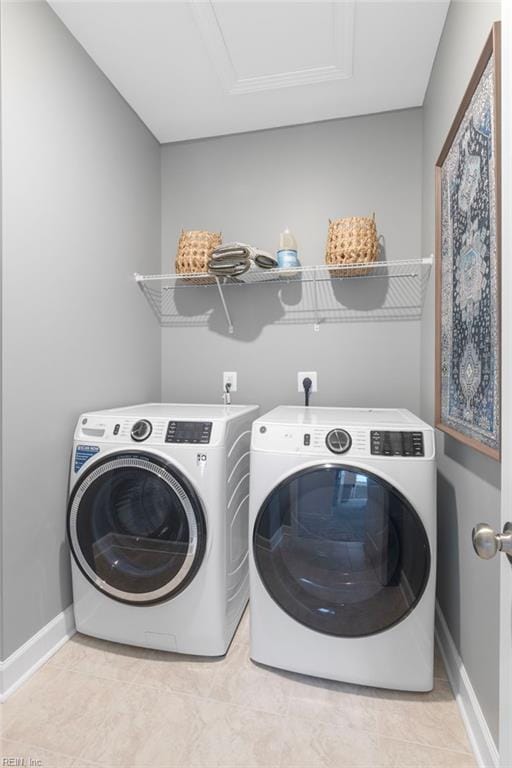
[467, 274]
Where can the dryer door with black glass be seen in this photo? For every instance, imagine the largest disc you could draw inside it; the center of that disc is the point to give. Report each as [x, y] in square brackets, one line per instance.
[341, 551]
[136, 528]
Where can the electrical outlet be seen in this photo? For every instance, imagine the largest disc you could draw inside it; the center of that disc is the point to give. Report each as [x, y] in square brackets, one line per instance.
[229, 377]
[301, 375]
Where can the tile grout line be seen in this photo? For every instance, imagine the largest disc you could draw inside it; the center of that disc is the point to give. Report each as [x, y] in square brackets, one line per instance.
[426, 746]
[285, 719]
[389, 738]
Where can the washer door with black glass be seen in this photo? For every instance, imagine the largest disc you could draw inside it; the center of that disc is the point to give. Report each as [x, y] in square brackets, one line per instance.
[341, 551]
[136, 528]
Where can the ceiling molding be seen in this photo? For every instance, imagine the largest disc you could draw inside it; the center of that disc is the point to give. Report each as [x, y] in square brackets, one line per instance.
[218, 51]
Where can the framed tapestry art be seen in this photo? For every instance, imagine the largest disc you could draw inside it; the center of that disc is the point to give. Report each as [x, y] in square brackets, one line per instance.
[468, 263]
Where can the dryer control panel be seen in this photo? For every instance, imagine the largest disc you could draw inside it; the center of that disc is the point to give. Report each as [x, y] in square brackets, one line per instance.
[350, 441]
[395, 443]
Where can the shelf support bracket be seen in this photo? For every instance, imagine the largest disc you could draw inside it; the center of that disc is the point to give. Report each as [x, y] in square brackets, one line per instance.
[316, 326]
[225, 306]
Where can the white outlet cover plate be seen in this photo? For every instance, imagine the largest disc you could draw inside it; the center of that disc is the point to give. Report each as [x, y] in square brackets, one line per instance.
[231, 378]
[301, 375]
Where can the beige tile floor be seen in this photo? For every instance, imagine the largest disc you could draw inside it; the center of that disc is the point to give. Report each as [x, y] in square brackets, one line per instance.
[99, 704]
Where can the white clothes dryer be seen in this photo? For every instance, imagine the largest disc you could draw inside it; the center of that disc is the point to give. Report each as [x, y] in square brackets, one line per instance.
[158, 524]
[343, 545]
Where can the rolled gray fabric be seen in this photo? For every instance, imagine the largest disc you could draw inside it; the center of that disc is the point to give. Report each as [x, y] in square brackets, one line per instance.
[232, 268]
[228, 250]
[265, 260]
[233, 259]
[226, 262]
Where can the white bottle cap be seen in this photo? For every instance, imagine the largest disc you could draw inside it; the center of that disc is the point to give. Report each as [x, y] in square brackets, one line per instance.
[287, 242]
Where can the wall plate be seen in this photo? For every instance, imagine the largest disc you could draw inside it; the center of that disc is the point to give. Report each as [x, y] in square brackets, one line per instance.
[301, 375]
[229, 377]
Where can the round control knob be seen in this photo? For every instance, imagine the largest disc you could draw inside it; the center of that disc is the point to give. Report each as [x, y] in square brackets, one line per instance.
[141, 430]
[338, 441]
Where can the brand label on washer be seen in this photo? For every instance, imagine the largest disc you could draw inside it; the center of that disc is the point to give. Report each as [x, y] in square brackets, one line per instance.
[83, 453]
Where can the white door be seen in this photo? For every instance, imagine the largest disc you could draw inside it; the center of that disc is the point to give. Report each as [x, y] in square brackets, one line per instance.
[505, 745]
[491, 542]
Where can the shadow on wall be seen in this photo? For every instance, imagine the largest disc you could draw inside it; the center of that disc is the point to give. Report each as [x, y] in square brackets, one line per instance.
[46, 588]
[251, 308]
[448, 568]
[363, 298]
[363, 294]
[66, 596]
[479, 464]
[65, 574]
[454, 526]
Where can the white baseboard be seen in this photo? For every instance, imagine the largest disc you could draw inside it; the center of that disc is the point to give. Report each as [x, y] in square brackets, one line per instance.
[482, 742]
[21, 664]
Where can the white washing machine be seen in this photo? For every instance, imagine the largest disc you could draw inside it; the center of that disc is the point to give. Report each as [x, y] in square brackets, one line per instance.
[343, 545]
[158, 524]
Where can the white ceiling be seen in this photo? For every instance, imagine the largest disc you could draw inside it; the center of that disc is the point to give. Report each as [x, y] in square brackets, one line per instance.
[206, 68]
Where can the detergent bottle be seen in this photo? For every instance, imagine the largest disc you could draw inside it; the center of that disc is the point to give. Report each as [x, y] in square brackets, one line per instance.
[287, 252]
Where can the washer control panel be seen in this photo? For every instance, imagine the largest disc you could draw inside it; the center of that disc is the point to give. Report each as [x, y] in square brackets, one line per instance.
[120, 430]
[189, 432]
[388, 443]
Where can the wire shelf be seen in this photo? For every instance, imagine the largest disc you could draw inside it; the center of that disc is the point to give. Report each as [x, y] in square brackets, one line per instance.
[318, 294]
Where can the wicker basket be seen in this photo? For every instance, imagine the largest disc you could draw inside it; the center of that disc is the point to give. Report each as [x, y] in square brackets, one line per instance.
[195, 247]
[351, 241]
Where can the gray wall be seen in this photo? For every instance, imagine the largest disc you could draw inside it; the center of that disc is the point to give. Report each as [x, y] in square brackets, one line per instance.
[251, 186]
[468, 481]
[81, 210]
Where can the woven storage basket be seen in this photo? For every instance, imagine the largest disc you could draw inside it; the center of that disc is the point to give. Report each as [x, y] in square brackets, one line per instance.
[195, 247]
[351, 241]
